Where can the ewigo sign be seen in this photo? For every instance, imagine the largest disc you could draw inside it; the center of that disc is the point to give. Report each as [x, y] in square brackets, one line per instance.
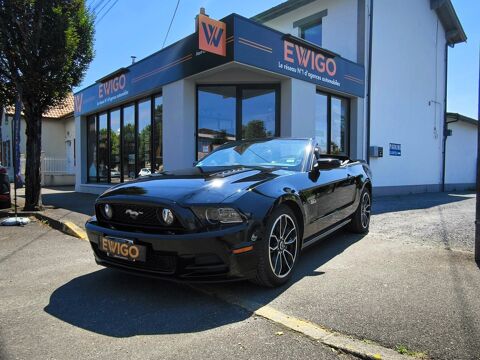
[212, 35]
[265, 48]
[112, 86]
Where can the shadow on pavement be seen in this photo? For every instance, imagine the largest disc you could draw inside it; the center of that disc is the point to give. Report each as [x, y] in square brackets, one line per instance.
[386, 204]
[116, 304]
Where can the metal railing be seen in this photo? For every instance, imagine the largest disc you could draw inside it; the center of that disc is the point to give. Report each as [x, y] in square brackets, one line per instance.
[55, 166]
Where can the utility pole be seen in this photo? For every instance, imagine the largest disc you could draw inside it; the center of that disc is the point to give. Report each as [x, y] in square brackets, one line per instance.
[477, 214]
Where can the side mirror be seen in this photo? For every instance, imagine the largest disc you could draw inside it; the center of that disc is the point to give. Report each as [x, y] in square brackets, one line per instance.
[328, 163]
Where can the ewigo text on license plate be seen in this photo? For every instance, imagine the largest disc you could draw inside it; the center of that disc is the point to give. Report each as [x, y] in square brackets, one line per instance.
[122, 248]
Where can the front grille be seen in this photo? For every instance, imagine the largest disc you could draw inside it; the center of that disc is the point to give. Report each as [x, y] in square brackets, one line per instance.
[147, 216]
[155, 260]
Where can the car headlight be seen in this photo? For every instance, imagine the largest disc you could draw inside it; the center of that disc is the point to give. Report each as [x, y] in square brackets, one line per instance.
[214, 215]
[108, 211]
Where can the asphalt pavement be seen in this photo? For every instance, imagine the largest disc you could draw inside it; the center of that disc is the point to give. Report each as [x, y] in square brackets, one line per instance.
[411, 283]
[57, 304]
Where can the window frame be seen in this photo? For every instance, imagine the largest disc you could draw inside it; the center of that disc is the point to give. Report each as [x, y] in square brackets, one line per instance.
[304, 28]
[310, 21]
[238, 106]
[329, 121]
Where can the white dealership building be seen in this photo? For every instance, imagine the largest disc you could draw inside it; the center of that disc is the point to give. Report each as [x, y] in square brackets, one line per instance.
[366, 78]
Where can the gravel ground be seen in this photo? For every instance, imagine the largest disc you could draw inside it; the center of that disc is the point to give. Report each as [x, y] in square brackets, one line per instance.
[432, 219]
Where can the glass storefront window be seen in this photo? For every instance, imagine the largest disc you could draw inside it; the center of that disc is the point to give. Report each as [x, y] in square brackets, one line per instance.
[115, 146]
[103, 148]
[121, 142]
[128, 145]
[321, 122]
[144, 135]
[338, 138]
[92, 148]
[258, 113]
[157, 134]
[216, 117]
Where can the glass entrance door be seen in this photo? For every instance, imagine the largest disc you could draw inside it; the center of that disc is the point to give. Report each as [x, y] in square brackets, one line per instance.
[234, 112]
[332, 123]
[258, 113]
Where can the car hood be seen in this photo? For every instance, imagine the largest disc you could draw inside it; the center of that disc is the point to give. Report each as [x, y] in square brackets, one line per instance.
[195, 185]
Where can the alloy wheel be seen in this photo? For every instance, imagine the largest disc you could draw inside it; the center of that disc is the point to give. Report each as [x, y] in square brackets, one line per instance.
[283, 242]
[365, 210]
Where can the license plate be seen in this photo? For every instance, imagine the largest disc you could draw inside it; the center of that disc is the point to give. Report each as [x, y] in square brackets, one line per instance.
[122, 249]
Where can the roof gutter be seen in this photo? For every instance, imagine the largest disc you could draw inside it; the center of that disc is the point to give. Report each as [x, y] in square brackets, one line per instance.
[445, 123]
[369, 79]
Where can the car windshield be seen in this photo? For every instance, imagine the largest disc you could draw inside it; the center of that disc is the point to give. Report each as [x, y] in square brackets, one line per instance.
[284, 153]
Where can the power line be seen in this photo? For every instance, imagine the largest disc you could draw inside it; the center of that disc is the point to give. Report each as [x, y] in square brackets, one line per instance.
[97, 13]
[171, 22]
[106, 12]
[94, 6]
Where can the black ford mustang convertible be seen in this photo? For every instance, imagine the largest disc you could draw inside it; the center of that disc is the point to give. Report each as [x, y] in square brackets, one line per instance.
[245, 211]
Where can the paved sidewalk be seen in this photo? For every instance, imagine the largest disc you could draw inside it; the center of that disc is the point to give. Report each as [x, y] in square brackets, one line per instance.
[62, 204]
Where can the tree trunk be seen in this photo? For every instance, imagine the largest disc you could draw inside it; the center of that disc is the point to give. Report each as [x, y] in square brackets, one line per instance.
[33, 119]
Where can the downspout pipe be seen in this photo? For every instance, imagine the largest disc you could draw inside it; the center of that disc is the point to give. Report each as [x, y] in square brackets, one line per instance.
[369, 79]
[445, 124]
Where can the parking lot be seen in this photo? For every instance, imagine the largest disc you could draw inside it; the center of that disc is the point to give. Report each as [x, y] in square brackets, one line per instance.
[410, 283]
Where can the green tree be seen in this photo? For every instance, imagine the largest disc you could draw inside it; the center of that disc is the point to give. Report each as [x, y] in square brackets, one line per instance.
[45, 49]
[255, 129]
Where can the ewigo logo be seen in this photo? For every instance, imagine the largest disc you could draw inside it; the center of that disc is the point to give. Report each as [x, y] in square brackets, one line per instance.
[78, 102]
[308, 58]
[212, 35]
[112, 86]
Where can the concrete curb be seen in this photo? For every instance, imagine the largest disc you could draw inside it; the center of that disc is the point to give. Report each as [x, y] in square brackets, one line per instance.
[65, 226]
[345, 343]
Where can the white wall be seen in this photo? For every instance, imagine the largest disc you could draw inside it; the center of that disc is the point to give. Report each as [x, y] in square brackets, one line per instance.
[461, 155]
[179, 124]
[407, 93]
[53, 138]
[339, 27]
[297, 108]
[69, 133]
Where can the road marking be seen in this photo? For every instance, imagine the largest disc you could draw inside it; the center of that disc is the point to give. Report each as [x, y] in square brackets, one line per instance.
[363, 349]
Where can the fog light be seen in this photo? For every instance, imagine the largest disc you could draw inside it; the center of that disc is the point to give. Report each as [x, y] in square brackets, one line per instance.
[108, 211]
[167, 216]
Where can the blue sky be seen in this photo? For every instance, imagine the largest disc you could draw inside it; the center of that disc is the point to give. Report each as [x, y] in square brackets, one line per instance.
[139, 27]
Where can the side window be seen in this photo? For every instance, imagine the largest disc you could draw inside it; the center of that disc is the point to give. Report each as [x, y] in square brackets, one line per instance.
[312, 32]
[310, 28]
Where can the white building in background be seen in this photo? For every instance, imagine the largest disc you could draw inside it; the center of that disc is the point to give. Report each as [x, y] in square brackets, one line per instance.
[366, 78]
[461, 152]
[58, 144]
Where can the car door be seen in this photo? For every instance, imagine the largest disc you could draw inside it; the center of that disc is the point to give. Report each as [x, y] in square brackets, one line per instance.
[345, 187]
[321, 197]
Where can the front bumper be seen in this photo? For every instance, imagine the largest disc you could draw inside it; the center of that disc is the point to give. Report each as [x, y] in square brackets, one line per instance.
[203, 256]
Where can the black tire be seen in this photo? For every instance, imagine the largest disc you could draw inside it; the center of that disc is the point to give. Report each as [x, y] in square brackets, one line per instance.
[271, 272]
[360, 223]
